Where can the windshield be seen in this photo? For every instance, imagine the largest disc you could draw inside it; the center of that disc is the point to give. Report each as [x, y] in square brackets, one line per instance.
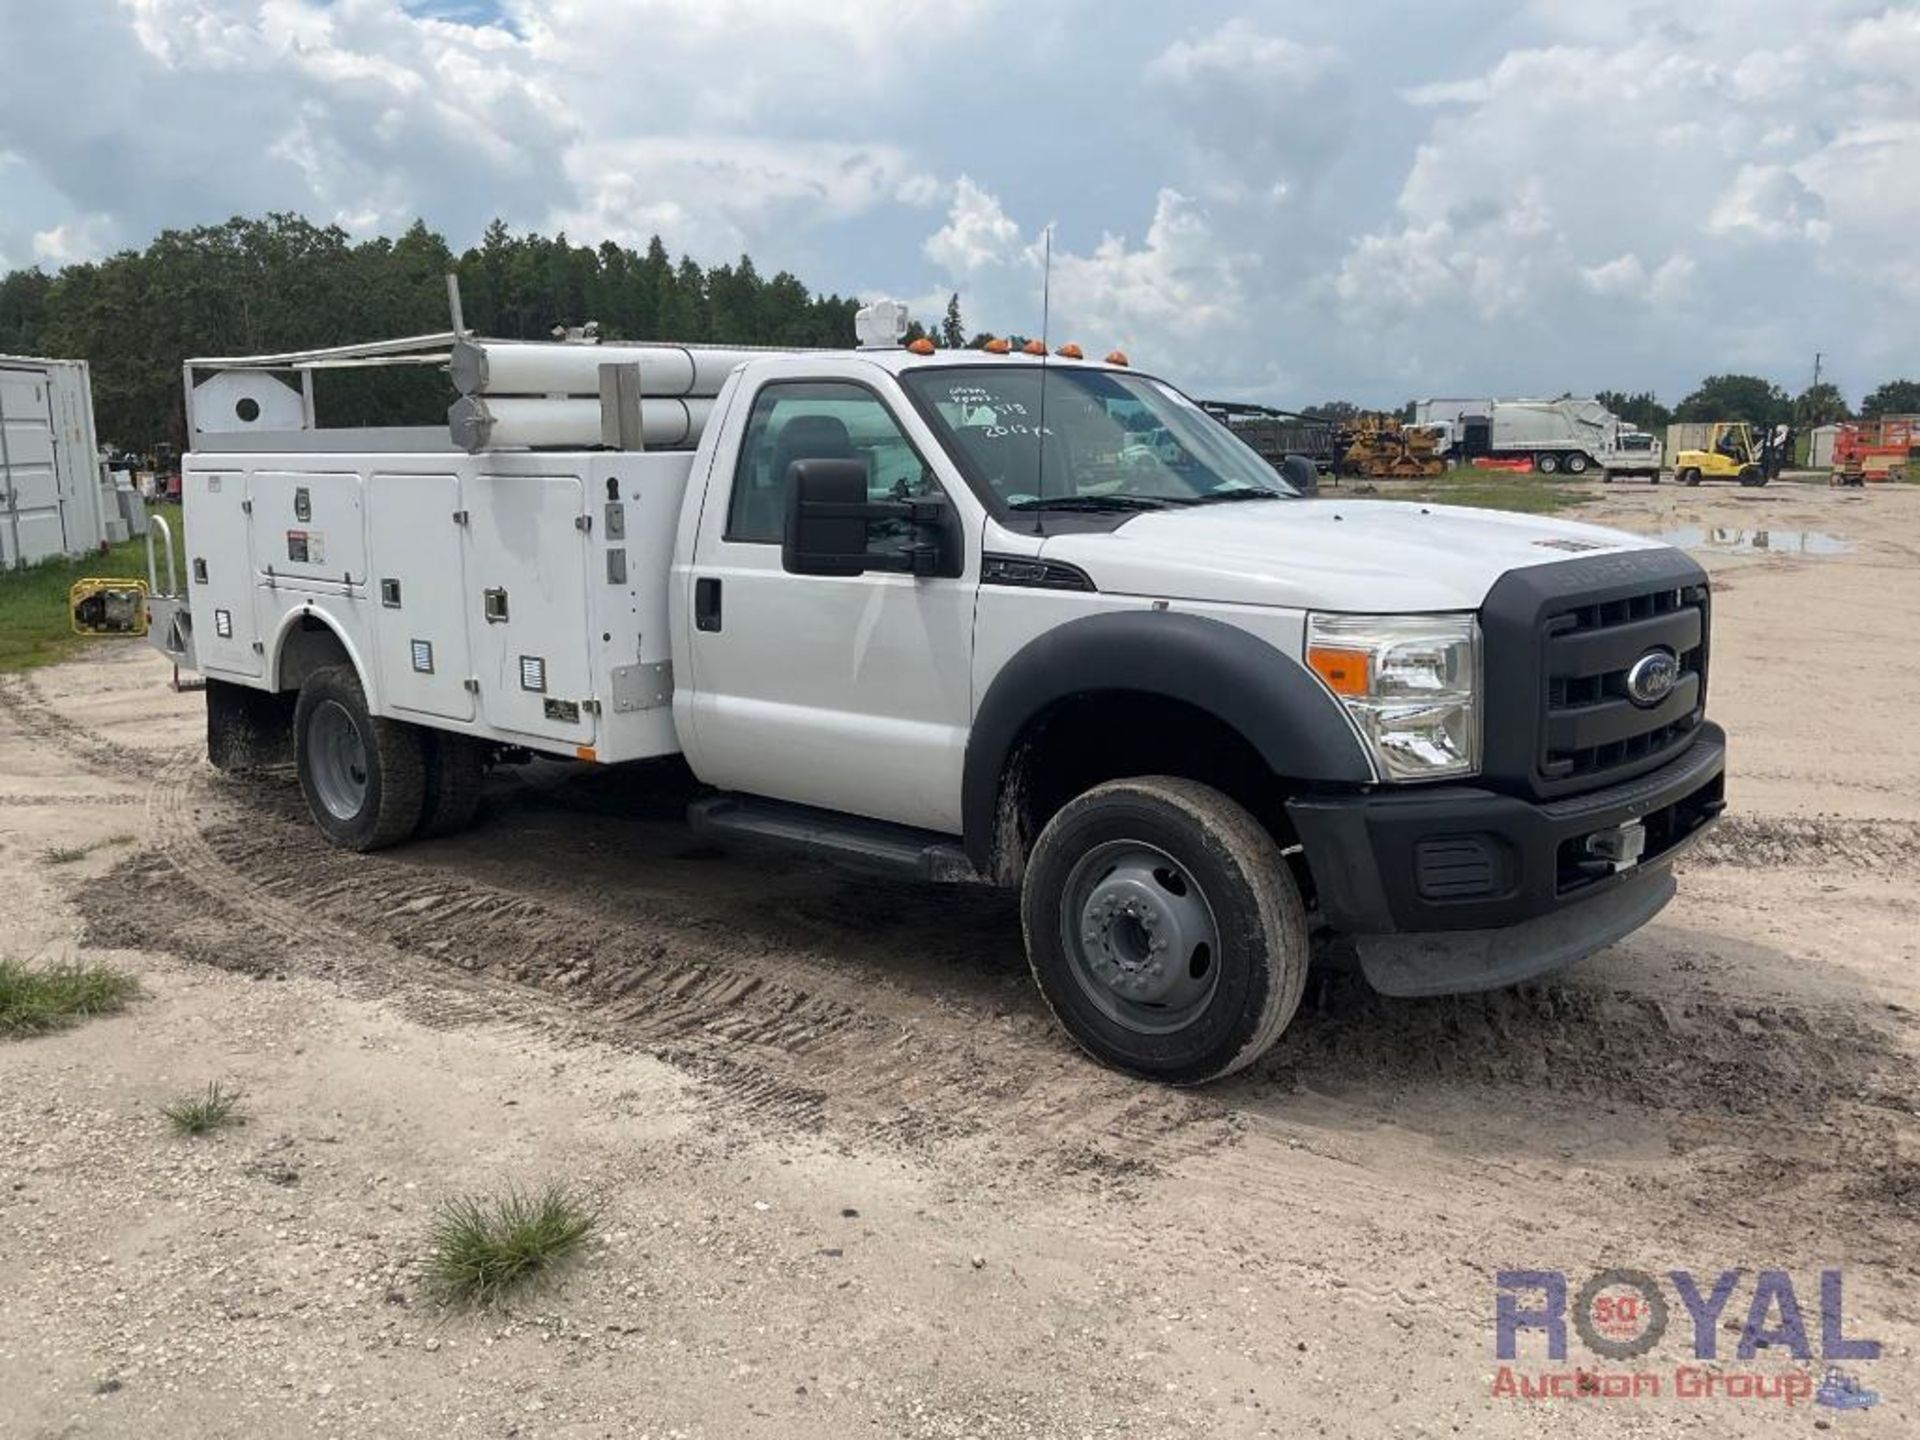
[1107, 440]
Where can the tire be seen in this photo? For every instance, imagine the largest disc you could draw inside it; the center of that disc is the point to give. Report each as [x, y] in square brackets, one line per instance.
[364, 776]
[456, 771]
[1688, 476]
[1752, 475]
[1576, 464]
[1184, 864]
[1546, 464]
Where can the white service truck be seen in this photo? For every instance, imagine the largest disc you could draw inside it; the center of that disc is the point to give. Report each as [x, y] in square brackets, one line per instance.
[1021, 620]
[1568, 435]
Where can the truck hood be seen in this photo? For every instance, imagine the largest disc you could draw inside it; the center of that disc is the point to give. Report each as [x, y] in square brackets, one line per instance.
[1359, 555]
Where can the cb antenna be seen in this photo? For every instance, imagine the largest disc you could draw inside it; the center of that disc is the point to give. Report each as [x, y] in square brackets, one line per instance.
[1046, 352]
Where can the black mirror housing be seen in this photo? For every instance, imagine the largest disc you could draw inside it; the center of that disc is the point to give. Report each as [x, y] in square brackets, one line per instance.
[827, 515]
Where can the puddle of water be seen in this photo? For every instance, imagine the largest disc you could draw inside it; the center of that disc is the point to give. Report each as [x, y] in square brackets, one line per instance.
[1756, 542]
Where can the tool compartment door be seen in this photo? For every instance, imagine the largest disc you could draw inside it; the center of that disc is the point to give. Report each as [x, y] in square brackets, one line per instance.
[417, 594]
[526, 603]
[308, 530]
[220, 582]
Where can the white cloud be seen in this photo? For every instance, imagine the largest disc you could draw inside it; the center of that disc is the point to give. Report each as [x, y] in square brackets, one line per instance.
[83, 239]
[1768, 202]
[977, 233]
[1265, 114]
[1559, 195]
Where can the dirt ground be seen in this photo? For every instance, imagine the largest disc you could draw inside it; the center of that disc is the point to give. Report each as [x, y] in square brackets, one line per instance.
[853, 1183]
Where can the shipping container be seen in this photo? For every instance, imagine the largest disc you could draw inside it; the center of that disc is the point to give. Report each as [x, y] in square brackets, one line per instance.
[51, 481]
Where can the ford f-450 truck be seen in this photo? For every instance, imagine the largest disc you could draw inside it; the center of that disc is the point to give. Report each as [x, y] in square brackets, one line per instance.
[1016, 619]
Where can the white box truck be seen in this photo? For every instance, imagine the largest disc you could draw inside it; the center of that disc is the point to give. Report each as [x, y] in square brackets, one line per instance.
[888, 612]
[1565, 435]
[54, 496]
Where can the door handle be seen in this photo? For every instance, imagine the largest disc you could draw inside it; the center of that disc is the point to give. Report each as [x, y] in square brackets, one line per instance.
[706, 604]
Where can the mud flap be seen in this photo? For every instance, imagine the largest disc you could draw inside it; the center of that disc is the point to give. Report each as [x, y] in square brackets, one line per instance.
[1451, 962]
[248, 729]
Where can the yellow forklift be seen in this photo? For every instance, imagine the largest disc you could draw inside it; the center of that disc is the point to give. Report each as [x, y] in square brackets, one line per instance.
[1732, 453]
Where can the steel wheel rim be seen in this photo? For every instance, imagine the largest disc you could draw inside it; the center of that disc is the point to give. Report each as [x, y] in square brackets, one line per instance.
[1140, 937]
[337, 760]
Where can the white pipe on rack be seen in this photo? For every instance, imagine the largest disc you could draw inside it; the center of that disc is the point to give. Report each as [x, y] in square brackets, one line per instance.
[488, 367]
[512, 423]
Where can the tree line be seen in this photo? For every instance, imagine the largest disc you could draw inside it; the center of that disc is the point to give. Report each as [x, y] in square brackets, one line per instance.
[281, 282]
[254, 286]
[1761, 402]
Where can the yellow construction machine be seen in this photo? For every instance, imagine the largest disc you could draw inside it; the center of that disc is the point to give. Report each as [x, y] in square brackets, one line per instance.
[1731, 453]
[1380, 447]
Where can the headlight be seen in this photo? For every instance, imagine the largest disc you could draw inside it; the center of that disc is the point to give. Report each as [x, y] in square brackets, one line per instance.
[1411, 684]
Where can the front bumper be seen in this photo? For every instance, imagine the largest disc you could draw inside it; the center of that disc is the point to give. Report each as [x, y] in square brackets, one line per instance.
[1511, 885]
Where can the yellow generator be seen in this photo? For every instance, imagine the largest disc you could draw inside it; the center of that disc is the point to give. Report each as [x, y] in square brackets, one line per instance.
[113, 606]
[1731, 454]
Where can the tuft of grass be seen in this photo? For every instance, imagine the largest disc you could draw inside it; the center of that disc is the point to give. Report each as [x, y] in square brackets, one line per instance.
[35, 1001]
[34, 626]
[480, 1248]
[67, 854]
[214, 1108]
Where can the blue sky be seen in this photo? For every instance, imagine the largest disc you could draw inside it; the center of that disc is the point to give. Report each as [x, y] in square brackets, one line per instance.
[1286, 201]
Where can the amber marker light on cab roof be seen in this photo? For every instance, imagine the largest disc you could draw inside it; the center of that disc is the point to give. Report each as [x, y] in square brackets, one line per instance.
[1344, 670]
[922, 346]
[997, 347]
[1117, 357]
[1071, 351]
[1034, 347]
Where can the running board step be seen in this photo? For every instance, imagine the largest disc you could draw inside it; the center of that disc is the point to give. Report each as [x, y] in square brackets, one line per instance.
[845, 839]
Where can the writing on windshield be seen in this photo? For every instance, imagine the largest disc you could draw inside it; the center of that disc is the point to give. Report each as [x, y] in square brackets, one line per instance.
[1041, 435]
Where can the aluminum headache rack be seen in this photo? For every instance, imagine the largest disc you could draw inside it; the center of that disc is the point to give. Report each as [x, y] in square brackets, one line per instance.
[513, 395]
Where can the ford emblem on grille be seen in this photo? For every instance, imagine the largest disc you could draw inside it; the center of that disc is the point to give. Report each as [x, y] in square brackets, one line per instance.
[1652, 677]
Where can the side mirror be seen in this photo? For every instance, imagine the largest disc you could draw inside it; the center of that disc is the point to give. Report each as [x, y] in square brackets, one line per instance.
[828, 520]
[827, 514]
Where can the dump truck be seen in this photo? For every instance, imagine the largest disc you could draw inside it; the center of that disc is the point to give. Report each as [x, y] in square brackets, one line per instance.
[1565, 435]
[889, 615]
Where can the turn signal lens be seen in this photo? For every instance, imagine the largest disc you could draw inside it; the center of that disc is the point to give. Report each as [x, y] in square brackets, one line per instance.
[1345, 671]
[1071, 351]
[922, 346]
[1117, 357]
[997, 347]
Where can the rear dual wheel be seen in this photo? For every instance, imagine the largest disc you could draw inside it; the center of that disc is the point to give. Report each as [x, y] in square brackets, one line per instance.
[371, 782]
[1165, 929]
[364, 776]
[1546, 464]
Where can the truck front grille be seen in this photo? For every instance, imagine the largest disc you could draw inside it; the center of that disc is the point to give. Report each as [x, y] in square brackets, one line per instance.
[1592, 725]
[1561, 640]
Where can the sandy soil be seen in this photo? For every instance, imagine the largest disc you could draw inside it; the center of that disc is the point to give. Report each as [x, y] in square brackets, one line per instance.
[852, 1181]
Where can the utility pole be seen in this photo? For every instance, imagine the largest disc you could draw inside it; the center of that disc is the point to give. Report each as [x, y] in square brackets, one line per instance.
[1816, 369]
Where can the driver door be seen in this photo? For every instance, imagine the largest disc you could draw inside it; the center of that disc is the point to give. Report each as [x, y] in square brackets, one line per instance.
[849, 693]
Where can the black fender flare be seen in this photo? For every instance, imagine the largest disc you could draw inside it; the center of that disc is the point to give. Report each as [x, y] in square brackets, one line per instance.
[1266, 695]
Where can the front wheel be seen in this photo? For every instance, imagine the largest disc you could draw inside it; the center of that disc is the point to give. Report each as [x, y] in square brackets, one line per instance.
[1164, 929]
[364, 776]
[1546, 464]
